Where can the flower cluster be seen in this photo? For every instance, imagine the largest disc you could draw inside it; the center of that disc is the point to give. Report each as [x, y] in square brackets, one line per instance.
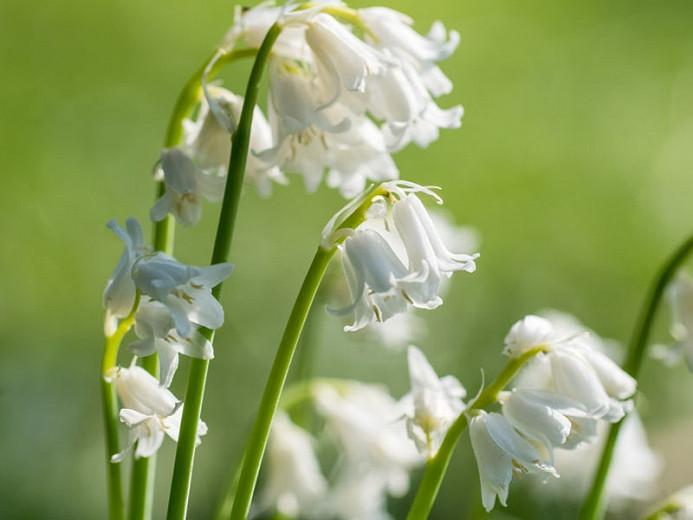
[363, 422]
[168, 301]
[557, 402]
[396, 259]
[348, 87]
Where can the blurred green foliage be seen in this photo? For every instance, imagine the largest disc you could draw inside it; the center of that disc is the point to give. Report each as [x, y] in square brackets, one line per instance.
[574, 162]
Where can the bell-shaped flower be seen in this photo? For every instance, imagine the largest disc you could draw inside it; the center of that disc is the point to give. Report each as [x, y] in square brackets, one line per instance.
[399, 98]
[372, 270]
[680, 296]
[574, 366]
[529, 333]
[345, 61]
[186, 187]
[429, 259]
[208, 139]
[185, 290]
[294, 481]
[499, 449]
[432, 405]
[157, 333]
[149, 410]
[542, 416]
[365, 421]
[392, 30]
[358, 156]
[120, 292]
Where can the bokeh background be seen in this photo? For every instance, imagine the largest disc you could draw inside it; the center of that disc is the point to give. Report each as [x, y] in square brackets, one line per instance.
[574, 163]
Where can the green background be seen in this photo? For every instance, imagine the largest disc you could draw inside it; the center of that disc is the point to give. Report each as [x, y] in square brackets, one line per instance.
[574, 163]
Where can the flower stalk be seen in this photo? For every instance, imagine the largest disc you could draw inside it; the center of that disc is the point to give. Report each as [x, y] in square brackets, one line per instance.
[182, 470]
[595, 503]
[116, 501]
[437, 466]
[257, 443]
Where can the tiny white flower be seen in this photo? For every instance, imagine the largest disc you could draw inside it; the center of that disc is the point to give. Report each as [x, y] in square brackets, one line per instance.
[150, 411]
[680, 295]
[157, 332]
[294, 480]
[186, 186]
[433, 403]
[184, 289]
[119, 295]
[498, 449]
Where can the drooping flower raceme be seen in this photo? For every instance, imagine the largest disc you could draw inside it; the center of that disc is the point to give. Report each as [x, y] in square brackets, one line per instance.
[330, 80]
[432, 405]
[389, 272]
[556, 403]
[294, 481]
[578, 370]
[150, 411]
[157, 333]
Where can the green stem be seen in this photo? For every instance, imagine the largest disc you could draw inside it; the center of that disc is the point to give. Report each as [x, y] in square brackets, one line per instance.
[270, 398]
[185, 452]
[116, 502]
[143, 469]
[595, 503]
[163, 240]
[437, 466]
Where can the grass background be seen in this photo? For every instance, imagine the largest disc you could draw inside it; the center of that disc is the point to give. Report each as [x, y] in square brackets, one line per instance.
[574, 163]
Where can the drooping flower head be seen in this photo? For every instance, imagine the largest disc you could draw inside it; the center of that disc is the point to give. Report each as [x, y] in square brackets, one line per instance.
[157, 333]
[333, 71]
[397, 258]
[149, 411]
[185, 290]
[432, 405]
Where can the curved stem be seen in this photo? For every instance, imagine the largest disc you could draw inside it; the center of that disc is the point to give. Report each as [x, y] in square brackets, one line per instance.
[185, 451]
[116, 502]
[270, 398]
[437, 466]
[594, 505]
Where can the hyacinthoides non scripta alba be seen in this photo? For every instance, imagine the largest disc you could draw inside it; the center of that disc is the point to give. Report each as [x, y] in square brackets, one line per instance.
[348, 88]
